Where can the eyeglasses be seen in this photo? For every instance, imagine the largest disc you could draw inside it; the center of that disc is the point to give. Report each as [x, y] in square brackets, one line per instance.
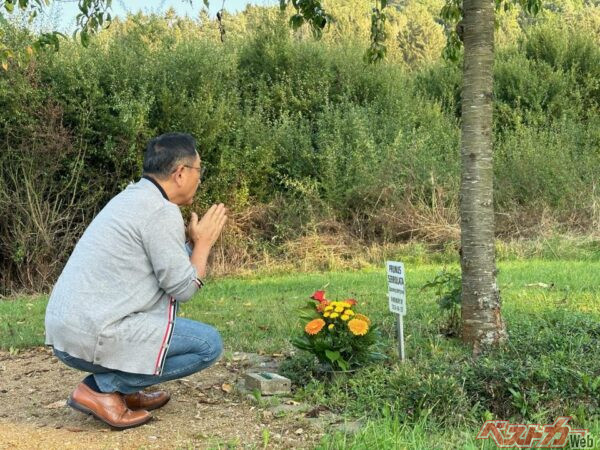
[200, 170]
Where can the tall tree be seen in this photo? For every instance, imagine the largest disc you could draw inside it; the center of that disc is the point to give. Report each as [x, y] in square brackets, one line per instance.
[482, 322]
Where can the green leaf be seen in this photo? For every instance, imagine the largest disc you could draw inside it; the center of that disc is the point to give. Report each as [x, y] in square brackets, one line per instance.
[376, 356]
[332, 356]
[343, 364]
[535, 7]
[303, 343]
[515, 394]
[83, 7]
[296, 21]
[9, 6]
[84, 37]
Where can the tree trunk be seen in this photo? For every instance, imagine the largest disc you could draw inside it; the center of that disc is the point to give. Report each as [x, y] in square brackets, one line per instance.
[482, 323]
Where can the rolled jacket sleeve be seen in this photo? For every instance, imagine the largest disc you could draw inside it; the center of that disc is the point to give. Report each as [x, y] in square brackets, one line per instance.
[164, 242]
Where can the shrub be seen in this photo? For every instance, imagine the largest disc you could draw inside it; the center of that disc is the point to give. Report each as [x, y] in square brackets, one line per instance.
[548, 369]
[299, 128]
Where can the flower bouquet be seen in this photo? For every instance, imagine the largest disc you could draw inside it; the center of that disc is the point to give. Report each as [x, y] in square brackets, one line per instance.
[340, 337]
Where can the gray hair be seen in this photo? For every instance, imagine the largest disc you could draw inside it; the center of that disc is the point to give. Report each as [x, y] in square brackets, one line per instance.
[166, 151]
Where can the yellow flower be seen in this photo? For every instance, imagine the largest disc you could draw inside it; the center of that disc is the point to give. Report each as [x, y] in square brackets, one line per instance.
[331, 326]
[345, 317]
[358, 327]
[349, 312]
[334, 315]
[328, 308]
[339, 309]
[314, 326]
[363, 317]
[346, 304]
[326, 314]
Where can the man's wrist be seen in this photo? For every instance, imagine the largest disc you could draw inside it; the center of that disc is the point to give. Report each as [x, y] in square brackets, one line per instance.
[199, 242]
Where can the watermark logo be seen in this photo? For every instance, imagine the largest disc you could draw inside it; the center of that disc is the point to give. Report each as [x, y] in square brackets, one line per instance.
[556, 435]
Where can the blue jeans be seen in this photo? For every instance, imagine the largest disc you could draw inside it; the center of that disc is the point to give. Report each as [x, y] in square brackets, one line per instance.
[194, 346]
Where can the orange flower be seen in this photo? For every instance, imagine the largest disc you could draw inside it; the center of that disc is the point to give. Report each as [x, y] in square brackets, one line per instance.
[363, 318]
[358, 327]
[314, 326]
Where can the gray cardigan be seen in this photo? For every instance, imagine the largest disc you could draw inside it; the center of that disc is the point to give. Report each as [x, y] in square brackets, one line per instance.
[115, 302]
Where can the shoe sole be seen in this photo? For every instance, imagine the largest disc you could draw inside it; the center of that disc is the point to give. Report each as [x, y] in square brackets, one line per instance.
[73, 404]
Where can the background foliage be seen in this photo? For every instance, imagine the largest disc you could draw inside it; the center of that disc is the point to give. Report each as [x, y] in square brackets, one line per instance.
[300, 137]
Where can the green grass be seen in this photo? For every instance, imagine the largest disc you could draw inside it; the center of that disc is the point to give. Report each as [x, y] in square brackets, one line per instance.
[390, 433]
[259, 314]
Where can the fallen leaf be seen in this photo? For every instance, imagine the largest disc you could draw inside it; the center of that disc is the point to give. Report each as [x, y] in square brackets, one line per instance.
[292, 402]
[299, 431]
[227, 387]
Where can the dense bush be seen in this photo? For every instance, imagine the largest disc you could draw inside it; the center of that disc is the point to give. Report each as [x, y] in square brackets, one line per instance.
[303, 128]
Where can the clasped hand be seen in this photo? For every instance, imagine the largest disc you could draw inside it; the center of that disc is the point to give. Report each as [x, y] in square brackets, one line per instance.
[206, 231]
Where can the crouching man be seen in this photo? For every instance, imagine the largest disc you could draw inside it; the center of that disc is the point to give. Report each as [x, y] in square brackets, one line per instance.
[112, 312]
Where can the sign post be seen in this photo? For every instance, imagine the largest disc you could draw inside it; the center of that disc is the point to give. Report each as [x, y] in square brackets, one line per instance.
[397, 299]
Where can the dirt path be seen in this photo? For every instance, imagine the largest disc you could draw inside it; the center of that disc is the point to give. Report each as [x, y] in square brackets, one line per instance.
[205, 411]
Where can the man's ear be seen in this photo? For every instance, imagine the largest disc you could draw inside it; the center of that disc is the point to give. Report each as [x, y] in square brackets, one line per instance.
[178, 174]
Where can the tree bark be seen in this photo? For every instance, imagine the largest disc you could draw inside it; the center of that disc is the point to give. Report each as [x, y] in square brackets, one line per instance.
[482, 323]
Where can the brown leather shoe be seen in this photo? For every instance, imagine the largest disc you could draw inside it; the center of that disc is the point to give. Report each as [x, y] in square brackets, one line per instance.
[109, 408]
[147, 401]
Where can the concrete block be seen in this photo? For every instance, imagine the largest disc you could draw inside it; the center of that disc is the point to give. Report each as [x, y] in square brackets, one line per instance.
[268, 383]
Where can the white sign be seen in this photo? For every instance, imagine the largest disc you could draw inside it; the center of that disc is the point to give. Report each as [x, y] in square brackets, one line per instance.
[396, 287]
